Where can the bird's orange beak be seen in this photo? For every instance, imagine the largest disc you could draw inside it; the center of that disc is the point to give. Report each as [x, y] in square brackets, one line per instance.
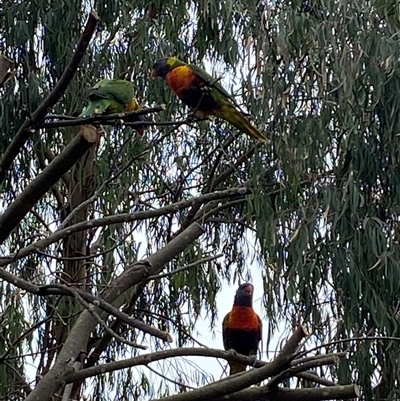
[154, 74]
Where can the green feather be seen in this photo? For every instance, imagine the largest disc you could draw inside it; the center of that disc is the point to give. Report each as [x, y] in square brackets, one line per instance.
[109, 96]
[211, 81]
[204, 75]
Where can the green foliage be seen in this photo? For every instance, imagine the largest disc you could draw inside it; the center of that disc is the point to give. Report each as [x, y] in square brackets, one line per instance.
[321, 78]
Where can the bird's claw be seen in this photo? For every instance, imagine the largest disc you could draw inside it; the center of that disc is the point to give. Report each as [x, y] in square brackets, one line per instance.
[232, 353]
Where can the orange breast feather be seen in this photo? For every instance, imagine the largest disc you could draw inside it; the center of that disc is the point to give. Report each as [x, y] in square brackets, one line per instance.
[180, 78]
[243, 318]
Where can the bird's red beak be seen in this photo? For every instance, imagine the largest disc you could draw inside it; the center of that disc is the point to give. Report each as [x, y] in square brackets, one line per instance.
[154, 74]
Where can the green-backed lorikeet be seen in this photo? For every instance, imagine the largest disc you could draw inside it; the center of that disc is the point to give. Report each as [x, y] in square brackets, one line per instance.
[113, 96]
[202, 93]
[242, 327]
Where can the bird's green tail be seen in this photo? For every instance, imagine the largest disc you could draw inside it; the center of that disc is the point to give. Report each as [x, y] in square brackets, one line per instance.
[238, 120]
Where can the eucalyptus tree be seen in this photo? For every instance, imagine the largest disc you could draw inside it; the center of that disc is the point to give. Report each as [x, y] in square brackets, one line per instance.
[106, 234]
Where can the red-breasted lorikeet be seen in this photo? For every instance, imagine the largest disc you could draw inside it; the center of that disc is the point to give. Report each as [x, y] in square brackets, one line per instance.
[242, 327]
[113, 96]
[202, 93]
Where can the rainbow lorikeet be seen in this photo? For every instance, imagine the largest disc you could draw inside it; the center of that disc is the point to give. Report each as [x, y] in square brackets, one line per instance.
[113, 96]
[202, 93]
[242, 327]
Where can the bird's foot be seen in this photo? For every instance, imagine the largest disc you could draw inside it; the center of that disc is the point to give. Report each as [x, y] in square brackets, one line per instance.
[232, 353]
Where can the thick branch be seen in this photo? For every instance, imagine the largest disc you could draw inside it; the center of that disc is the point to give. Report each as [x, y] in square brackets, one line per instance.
[121, 218]
[321, 361]
[86, 323]
[49, 176]
[157, 356]
[234, 384]
[285, 394]
[29, 125]
[311, 376]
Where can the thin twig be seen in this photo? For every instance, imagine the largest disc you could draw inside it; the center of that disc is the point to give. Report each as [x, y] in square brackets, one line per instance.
[190, 265]
[348, 340]
[168, 379]
[106, 119]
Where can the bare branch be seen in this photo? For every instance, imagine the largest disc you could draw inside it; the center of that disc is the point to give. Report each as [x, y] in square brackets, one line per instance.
[311, 376]
[284, 394]
[324, 360]
[121, 218]
[29, 126]
[145, 359]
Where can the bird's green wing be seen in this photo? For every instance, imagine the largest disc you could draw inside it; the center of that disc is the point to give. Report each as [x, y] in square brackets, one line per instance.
[102, 106]
[214, 82]
[118, 90]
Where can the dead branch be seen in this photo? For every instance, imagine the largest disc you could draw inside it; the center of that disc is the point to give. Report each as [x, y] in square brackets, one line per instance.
[48, 177]
[322, 361]
[29, 126]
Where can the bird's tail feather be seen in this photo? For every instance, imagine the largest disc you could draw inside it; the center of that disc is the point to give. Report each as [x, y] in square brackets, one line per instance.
[238, 120]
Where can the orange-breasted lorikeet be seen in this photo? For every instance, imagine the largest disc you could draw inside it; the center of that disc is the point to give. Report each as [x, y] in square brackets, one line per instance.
[242, 327]
[113, 96]
[202, 93]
